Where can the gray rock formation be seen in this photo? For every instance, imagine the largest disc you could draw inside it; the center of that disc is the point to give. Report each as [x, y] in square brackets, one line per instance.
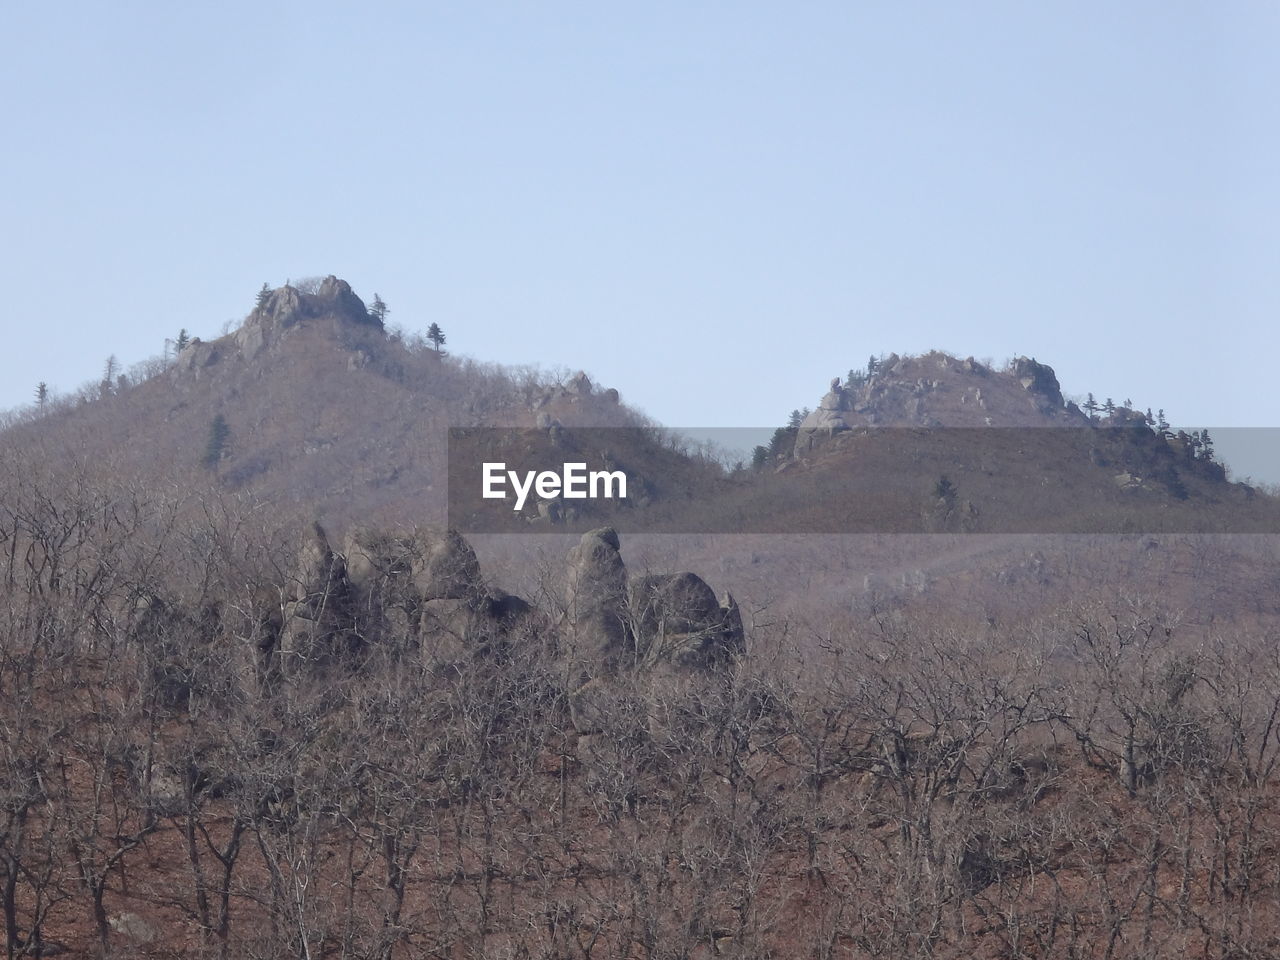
[287, 307]
[446, 568]
[1039, 379]
[677, 618]
[425, 592]
[596, 595]
[829, 418]
[317, 604]
[132, 926]
[425, 588]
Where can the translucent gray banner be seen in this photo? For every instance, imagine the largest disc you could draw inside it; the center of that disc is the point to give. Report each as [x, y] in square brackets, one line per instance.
[1102, 479]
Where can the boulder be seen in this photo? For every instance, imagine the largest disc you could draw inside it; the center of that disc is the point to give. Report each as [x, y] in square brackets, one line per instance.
[596, 593]
[319, 571]
[678, 618]
[317, 622]
[372, 556]
[446, 567]
[133, 927]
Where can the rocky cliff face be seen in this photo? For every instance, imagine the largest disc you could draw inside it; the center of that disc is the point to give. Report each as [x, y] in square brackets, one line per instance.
[332, 302]
[286, 307]
[937, 390]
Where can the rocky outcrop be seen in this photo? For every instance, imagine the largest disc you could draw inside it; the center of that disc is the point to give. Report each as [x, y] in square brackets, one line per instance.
[424, 592]
[829, 418]
[578, 389]
[286, 307]
[133, 926]
[446, 568]
[424, 589]
[433, 566]
[596, 595]
[317, 604]
[1039, 379]
[677, 618]
[624, 622]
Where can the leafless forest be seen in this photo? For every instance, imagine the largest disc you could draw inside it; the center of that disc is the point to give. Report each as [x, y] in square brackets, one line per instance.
[229, 731]
[213, 745]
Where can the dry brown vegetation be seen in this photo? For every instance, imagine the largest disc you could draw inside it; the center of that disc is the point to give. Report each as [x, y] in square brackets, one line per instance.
[932, 746]
[1095, 783]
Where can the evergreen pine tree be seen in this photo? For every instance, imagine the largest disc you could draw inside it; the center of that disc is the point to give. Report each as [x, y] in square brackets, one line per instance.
[1151, 421]
[183, 340]
[216, 446]
[1161, 422]
[1184, 443]
[795, 419]
[436, 336]
[1090, 406]
[378, 310]
[1109, 407]
[759, 457]
[872, 366]
[1206, 445]
[264, 295]
[109, 371]
[780, 443]
[42, 394]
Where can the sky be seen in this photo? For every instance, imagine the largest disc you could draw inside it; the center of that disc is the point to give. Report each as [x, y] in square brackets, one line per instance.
[714, 207]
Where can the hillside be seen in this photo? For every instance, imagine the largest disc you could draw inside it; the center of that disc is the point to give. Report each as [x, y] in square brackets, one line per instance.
[923, 681]
[326, 413]
[929, 444]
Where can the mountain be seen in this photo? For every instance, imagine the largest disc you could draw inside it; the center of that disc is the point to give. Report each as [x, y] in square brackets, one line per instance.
[330, 417]
[327, 414]
[254, 702]
[937, 444]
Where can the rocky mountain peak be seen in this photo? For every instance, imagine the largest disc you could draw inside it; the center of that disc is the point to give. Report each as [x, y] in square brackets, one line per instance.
[1038, 378]
[328, 303]
[937, 389]
[289, 306]
[331, 297]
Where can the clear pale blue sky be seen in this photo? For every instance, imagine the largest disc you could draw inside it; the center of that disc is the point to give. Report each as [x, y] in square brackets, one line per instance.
[714, 206]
